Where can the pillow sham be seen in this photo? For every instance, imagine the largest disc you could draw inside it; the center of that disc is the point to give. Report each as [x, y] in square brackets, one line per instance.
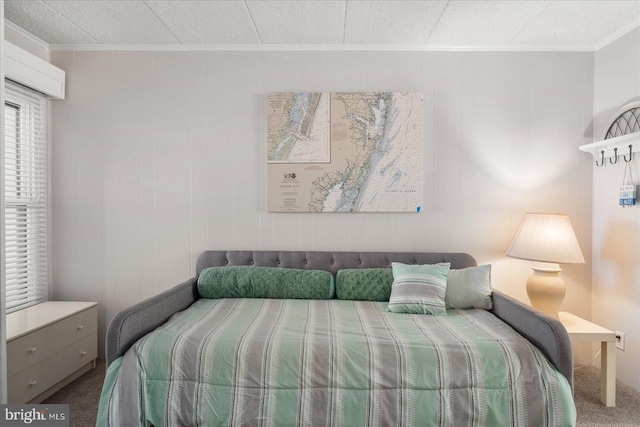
[418, 289]
[364, 284]
[469, 288]
[243, 281]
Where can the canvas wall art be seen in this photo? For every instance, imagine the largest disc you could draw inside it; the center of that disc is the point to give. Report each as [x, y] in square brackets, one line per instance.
[344, 151]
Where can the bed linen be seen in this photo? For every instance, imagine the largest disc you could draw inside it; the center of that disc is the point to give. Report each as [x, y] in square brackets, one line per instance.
[276, 362]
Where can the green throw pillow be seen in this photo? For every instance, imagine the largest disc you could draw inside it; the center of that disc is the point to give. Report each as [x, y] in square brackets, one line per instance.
[469, 288]
[418, 289]
[364, 284]
[265, 282]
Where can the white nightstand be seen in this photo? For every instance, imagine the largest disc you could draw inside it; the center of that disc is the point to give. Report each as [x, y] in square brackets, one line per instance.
[583, 330]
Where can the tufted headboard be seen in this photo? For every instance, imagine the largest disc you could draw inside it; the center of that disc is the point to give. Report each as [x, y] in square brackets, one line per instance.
[330, 261]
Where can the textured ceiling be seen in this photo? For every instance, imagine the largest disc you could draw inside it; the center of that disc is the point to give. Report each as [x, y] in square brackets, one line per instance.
[545, 24]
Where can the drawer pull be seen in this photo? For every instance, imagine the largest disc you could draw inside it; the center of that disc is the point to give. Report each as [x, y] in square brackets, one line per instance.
[80, 327]
[32, 383]
[83, 353]
[32, 350]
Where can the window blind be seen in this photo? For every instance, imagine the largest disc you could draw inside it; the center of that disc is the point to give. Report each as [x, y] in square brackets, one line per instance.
[26, 198]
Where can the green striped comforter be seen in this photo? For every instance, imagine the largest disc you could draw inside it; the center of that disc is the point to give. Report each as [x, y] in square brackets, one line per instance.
[278, 362]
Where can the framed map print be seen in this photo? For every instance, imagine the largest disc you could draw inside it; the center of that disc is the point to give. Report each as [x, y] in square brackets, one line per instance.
[344, 152]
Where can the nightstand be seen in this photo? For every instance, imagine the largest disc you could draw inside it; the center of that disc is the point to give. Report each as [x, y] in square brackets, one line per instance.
[580, 329]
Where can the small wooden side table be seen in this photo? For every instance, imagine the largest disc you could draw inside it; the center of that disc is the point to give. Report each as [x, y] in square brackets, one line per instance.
[580, 329]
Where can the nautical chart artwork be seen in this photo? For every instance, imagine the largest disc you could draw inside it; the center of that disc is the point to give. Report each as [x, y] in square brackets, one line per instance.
[344, 151]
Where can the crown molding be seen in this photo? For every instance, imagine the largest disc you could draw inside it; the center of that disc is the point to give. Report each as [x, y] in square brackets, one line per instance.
[313, 48]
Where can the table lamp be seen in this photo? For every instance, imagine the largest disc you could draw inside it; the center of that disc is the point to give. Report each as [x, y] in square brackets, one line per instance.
[550, 240]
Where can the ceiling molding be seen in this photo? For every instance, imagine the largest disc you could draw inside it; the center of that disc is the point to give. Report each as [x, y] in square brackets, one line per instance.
[314, 48]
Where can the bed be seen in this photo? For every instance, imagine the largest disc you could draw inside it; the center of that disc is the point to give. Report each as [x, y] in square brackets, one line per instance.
[190, 357]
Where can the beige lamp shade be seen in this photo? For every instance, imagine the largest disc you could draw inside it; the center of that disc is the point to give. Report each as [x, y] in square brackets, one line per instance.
[546, 238]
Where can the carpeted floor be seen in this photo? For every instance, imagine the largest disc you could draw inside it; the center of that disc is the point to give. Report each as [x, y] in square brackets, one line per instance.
[591, 413]
[83, 395]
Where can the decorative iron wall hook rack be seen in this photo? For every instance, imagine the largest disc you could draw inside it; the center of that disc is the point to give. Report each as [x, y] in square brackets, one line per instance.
[623, 133]
[603, 149]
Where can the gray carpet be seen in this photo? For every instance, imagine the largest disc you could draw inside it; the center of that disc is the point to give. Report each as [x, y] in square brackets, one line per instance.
[591, 413]
[83, 395]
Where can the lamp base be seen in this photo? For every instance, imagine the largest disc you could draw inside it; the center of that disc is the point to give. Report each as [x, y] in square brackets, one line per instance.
[546, 289]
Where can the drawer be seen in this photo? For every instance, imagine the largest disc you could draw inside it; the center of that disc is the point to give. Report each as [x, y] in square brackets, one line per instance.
[27, 351]
[72, 329]
[26, 385]
[30, 349]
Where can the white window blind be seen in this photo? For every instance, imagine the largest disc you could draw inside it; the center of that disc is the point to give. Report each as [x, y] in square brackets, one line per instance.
[26, 198]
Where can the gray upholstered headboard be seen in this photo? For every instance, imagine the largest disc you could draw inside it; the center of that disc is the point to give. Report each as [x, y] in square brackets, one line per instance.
[330, 261]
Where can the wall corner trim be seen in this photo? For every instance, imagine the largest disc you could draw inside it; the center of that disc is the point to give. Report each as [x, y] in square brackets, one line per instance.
[28, 70]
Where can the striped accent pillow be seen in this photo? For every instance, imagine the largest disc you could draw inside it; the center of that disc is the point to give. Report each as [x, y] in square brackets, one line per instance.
[418, 289]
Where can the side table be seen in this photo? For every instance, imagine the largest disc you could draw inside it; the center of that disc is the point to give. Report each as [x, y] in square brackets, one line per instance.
[580, 329]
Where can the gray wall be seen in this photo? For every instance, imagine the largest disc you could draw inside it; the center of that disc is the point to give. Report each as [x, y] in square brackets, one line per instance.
[158, 156]
[616, 230]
